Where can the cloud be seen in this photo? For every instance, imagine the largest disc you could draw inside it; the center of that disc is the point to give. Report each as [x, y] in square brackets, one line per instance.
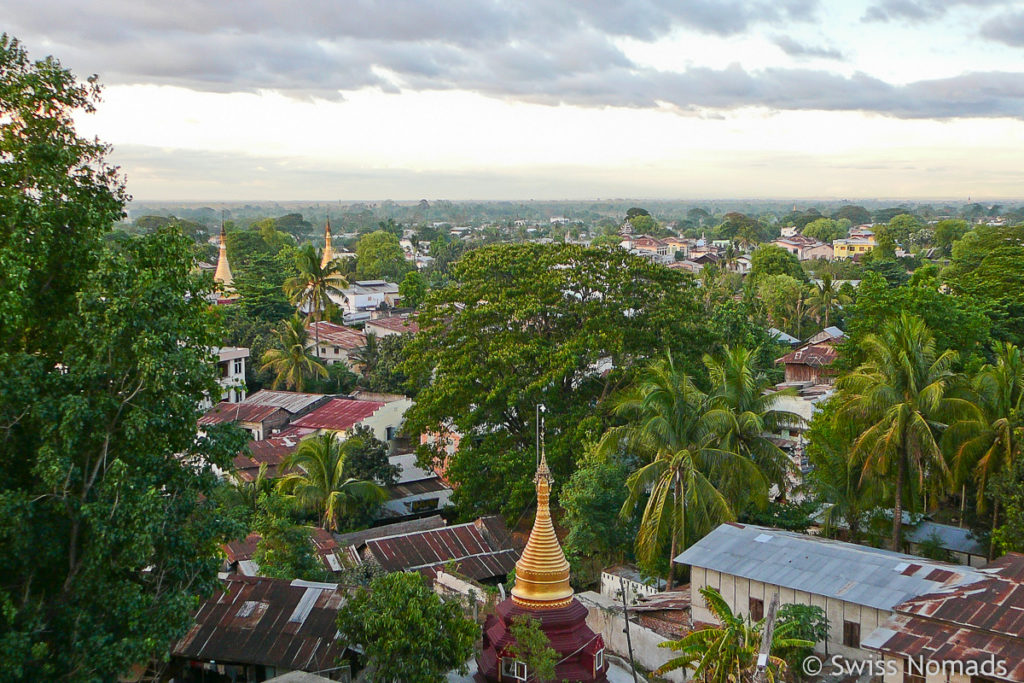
[796, 49]
[920, 10]
[1007, 28]
[536, 51]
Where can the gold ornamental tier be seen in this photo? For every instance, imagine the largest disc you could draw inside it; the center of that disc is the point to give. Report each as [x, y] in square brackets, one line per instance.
[542, 573]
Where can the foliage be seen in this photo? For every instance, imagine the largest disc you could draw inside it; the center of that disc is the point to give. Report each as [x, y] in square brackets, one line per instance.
[532, 647]
[311, 288]
[526, 324]
[591, 500]
[802, 622]
[387, 374]
[412, 288]
[285, 549]
[317, 480]
[728, 653]
[109, 536]
[902, 395]
[366, 457]
[1008, 489]
[379, 256]
[902, 226]
[826, 300]
[769, 259]
[790, 516]
[857, 215]
[781, 297]
[825, 229]
[406, 632]
[292, 364]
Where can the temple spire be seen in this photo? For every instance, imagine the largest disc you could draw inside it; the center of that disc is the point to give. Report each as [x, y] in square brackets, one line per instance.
[328, 250]
[223, 274]
[542, 573]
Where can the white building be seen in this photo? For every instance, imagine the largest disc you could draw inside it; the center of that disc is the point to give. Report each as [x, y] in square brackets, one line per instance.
[365, 296]
[231, 362]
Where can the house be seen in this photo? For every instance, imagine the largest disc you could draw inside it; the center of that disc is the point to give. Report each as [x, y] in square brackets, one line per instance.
[968, 633]
[260, 421]
[394, 324]
[342, 415]
[646, 244]
[780, 336]
[740, 264]
[231, 362]
[351, 542]
[959, 544]
[803, 400]
[857, 586]
[637, 585]
[337, 342]
[368, 295]
[481, 550]
[677, 245]
[860, 241]
[257, 628]
[805, 248]
[270, 452]
[417, 491]
[296, 403]
[811, 362]
[239, 553]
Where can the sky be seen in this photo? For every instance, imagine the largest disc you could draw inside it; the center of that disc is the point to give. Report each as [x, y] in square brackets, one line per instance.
[548, 99]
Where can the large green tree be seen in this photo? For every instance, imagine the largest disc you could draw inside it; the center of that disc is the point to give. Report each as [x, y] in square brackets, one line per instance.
[523, 324]
[405, 631]
[109, 535]
[769, 259]
[379, 256]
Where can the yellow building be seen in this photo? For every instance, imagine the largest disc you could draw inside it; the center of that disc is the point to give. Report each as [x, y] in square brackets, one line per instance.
[850, 247]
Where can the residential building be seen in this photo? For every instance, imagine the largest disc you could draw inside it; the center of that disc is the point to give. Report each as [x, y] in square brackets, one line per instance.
[296, 403]
[811, 362]
[968, 633]
[637, 585]
[393, 324]
[259, 421]
[858, 587]
[231, 362]
[647, 244]
[336, 341]
[257, 628]
[805, 248]
[342, 415]
[417, 492]
[367, 296]
[959, 544]
[269, 452]
[678, 244]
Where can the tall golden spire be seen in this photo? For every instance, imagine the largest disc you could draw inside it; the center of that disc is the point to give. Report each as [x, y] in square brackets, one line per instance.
[542, 573]
[328, 250]
[223, 274]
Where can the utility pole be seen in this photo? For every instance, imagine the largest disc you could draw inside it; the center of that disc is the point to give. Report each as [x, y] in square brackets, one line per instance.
[766, 641]
[625, 616]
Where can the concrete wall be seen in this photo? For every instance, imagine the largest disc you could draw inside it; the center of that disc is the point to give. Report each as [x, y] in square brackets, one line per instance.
[737, 592]
[605, 617]
[611, 588]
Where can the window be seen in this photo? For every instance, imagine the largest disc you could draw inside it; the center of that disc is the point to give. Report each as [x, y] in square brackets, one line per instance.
[911, 673]
[336, 350]
[851, 634]
[238, 366]
[599, 661]
[390, 433]
[513, 668]
[756, 609]
[323, 350]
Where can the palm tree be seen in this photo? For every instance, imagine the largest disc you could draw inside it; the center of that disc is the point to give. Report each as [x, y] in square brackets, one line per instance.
[743, 409]
[824, 299]
[984, 444]
[366, 357]
[246, 494]
[311, 288]
[669, 429]
[728, 653]
[318, 483]
[902, 393]
[291, 362]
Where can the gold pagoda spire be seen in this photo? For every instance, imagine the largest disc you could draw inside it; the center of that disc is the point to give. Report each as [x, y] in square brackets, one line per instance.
[223, 274]
[542, 573]
[328, 250]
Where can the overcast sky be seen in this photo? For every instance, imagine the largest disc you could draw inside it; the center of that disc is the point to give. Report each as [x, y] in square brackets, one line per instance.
[520, 99]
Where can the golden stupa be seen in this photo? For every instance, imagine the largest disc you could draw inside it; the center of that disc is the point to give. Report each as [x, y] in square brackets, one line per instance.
[222, 276]
[328, 250]
[542, 572]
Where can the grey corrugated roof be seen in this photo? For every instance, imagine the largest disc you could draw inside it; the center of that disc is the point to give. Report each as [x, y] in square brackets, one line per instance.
[951, 537]
[867, 576]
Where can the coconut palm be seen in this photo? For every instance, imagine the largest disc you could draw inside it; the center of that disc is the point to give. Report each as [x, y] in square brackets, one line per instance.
[668, 429]
[984, 444]
[246, 494]
[291, 362]
[903, 394]
[366, 357]
[743, 408]
[318, 483]
[311, 288]
[728, 653]
[825, 298]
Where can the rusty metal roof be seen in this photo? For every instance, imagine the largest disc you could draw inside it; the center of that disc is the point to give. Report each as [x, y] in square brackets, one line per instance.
[325, 546]
[294, 402]
[333, 334]
[237, 412]
[813, 353]
[339, 414]
[408, 526]
[396, 323]
[270, 452]
[269, 622]
[480, 550]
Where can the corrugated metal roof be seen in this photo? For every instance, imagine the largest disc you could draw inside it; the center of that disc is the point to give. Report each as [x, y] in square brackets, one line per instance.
[248, 623]
[412, 525]
[294, 402]
[481, 550]
[977, 622]
[270, 452]
[237, 412]
[951, 537]
[336, 335]
[396, 323]
[858, 574]
[242, 550]
[339, 414]
[812, 353]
